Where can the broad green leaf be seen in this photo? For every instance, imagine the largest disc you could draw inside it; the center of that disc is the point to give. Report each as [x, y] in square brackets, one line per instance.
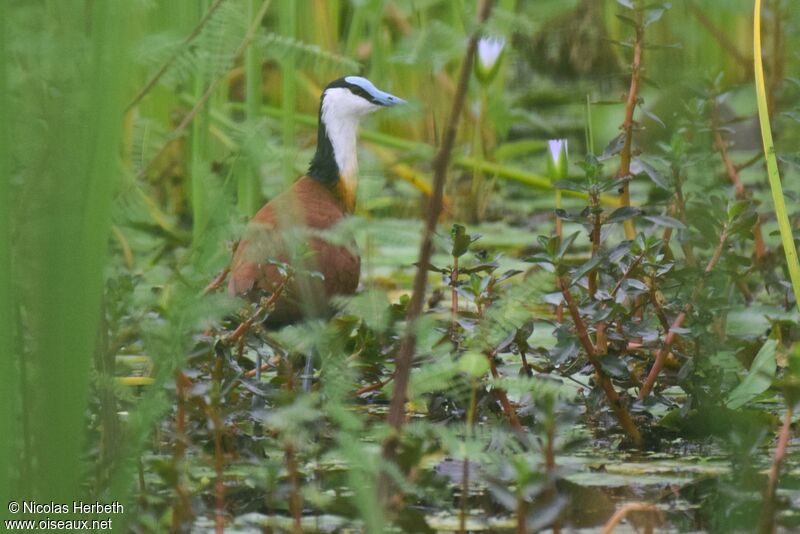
[762, 371]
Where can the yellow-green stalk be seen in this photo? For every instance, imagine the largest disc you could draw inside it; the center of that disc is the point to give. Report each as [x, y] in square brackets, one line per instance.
[772, 164]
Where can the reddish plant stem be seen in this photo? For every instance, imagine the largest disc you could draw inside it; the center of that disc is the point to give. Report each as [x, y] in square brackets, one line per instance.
[628, 125]
[253, 372]
[408, 343]
[373, 387]
[295, 497]
[462, 520]
[626, 274]
[522, 527]
[473, 401]
[454, 296]
[217, 282]
[768, 514]
[596, 229]
[620, 411]
[660, 313]
[679, 320]
[733, 176]
[678, 209]
[511, 413]
[182, 509]
[219, 458]
[264, 307]
[620, 514]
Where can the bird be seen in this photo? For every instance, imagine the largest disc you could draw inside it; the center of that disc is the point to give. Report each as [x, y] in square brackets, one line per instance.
[286, 229]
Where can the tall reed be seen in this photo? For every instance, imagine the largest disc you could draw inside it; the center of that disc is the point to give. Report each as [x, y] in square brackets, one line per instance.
[77, 86]
[9, 405]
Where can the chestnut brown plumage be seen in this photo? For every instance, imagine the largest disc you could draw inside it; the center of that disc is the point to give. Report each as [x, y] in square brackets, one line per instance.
[310, 204]
[284, 229]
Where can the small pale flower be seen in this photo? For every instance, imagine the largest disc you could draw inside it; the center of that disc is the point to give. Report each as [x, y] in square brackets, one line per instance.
[557, 160]
[490, 50]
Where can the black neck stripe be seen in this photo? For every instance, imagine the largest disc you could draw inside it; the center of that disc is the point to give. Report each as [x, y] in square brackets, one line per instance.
[323, 165]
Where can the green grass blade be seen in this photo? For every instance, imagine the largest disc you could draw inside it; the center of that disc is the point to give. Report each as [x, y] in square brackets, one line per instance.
[8, 359]
[772, 163]
[288, 24]
[248, 177]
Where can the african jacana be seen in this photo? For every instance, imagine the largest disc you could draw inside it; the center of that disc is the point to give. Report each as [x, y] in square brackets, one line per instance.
[316, 201]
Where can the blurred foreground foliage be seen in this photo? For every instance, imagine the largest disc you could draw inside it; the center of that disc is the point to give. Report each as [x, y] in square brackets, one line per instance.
[120, 200]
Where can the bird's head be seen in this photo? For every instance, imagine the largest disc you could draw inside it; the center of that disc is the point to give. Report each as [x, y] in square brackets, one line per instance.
[342, 104]
[354, 96]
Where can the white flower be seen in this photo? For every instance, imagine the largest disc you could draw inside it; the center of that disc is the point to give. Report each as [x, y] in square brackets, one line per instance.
[489, 51]
[557, 162]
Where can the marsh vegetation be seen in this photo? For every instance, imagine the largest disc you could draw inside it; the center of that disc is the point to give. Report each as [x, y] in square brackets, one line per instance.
[578, 296]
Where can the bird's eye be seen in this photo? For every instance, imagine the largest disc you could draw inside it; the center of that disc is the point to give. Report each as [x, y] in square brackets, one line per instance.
[359, 91]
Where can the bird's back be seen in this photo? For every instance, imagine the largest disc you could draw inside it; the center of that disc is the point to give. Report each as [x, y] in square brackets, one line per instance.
[281, 231]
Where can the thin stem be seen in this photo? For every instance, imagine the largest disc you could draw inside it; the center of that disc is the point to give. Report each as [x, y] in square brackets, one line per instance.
[733, 176]
[509, 410]
[620, 514]
[628, 125]
[768, 514]
[465, 469]
[182, 508]
[679, 320]
[407, 345]
[219, 458]
[454, 297]
[265, 306]
[295, 497]
[620, 411]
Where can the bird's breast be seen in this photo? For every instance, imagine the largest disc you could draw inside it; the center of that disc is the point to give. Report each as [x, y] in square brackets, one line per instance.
[284, 230]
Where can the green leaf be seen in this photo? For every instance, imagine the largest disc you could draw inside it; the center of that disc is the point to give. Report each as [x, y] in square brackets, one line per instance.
[760, 377]
[565, 244]
[474, 364]
[461, 240]
[571, 185]
[614, 147]
[654, 14]
[639, 166]
[663, 220]
[614, 367]
[622, 214]
[586, 267]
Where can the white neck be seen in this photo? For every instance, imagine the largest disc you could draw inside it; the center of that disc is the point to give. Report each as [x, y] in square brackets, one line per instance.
[341, 111]
[343, 133]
